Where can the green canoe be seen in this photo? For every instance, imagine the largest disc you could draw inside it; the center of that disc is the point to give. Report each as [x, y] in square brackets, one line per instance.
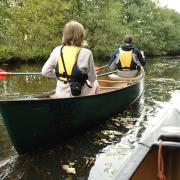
[40, 120]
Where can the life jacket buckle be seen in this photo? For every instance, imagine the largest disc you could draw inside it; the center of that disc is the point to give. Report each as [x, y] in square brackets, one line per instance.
[64, 75]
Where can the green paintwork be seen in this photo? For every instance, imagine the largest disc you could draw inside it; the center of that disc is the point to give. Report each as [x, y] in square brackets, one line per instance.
[32, 123]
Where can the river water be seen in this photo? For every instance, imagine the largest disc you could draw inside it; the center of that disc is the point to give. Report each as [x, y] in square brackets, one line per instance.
[97, 153]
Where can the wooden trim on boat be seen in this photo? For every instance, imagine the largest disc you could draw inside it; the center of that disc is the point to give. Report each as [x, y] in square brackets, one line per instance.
[109, 87]
[112, 81]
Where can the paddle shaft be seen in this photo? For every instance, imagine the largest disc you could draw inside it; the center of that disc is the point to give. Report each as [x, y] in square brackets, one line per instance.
[19, 73]
[3, 73]
[108, 73]
[98, 68]
[39, 73]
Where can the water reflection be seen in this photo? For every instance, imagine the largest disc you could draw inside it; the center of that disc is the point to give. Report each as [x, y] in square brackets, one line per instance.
[97, 153]
[110, 157]
[22, 86]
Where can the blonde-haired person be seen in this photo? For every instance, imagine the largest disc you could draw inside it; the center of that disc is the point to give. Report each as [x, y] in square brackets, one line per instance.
[72, 62]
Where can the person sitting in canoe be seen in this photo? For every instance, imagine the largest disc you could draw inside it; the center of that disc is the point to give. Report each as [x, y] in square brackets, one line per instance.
[72, 64]
[127, 58]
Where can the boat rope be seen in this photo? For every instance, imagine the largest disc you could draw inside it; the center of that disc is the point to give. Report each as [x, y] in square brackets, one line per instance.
[161, 174]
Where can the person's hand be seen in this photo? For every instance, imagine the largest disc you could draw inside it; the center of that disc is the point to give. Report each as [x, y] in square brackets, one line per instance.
[142, 53]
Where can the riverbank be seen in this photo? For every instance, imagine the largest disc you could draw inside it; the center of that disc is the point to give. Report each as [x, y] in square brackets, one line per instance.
[101, 58]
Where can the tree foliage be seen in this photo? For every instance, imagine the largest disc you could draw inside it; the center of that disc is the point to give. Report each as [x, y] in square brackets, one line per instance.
[31, 29]
[34, 26]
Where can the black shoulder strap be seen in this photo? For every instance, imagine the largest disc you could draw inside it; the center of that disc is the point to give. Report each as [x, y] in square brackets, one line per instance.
[64, 64]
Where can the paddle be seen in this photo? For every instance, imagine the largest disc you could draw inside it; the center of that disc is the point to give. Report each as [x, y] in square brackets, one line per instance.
[108, 73]
[102, 67]
[4, 73]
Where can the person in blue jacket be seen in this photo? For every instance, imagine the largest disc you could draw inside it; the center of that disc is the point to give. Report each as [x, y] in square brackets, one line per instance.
[127, 58]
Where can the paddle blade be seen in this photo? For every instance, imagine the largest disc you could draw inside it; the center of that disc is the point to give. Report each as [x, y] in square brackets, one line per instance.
[1, 77]
[4, 73]
[97, 69]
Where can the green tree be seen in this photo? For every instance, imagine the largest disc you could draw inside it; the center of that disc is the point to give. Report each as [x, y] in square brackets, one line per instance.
[169, 30]
[35, 26]
[31, 29]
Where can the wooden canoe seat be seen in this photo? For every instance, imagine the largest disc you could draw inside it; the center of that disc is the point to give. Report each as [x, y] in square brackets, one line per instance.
[113, 82]
[104, 89]
[107, 86]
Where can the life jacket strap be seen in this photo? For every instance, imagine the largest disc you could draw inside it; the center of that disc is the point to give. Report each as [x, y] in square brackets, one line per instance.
[62, 75]
[88, 85]
[65, 75]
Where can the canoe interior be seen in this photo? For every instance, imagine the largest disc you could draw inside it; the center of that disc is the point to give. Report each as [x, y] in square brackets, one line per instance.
[112, 82]
[107, 84]
[148, 169]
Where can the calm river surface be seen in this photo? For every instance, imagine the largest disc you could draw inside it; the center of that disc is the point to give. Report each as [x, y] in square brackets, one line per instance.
[96, 154]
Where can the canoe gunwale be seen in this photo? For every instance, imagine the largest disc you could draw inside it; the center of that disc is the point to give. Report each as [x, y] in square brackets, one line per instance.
[166, 144]
[40, 97]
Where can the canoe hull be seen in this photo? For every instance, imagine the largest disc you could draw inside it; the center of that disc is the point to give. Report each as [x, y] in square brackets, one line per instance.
[142, 163]
[32, 123]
